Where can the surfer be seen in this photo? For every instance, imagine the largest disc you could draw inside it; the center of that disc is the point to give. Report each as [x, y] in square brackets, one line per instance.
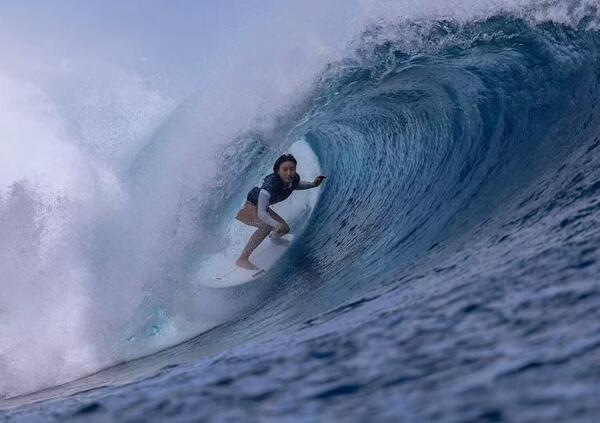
[256, 212]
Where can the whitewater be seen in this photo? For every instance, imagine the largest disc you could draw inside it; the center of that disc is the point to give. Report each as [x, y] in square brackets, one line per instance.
[447, 270]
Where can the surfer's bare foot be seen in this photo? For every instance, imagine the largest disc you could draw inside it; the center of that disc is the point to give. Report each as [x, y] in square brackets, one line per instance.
[244, 263]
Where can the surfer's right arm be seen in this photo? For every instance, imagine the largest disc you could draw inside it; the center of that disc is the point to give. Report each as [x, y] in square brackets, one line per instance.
[308, 185]
[263, 203]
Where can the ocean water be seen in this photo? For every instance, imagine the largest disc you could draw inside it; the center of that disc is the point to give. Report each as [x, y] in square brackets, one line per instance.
[447, 270]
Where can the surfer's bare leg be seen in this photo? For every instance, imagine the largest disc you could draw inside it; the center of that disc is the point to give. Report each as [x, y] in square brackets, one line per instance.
[277, 237]
[255, 239]
[248, 216]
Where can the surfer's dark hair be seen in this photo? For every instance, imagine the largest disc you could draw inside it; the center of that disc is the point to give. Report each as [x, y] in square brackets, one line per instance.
[283, 158]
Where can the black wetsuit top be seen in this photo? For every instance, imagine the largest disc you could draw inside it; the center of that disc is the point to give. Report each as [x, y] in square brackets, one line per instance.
[278, 189]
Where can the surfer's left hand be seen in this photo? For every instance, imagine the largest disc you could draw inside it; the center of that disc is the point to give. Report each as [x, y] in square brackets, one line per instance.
[318, 180]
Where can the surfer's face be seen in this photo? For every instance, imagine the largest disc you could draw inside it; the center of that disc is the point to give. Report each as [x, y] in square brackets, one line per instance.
[287, 171]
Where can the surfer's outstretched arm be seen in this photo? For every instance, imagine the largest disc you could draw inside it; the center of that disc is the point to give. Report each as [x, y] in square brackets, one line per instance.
[308, 184]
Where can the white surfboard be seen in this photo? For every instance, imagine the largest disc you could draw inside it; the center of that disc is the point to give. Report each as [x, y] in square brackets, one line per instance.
[265, 256]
